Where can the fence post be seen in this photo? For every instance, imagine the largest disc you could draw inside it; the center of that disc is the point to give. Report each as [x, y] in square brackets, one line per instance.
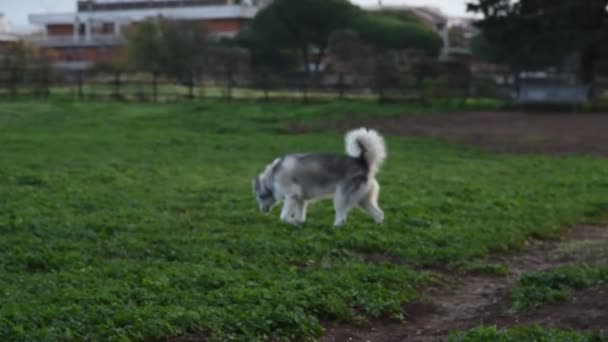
[117, 81]
[80, 80]
[305, 90]
[341, 85]
[46, 81]
[191, 87]
[14, 74]
[265, 85]
[155, 86]
[201, 86]
[228, 84]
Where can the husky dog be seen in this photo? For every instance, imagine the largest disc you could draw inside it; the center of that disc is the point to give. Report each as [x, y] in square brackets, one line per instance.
[298, 179]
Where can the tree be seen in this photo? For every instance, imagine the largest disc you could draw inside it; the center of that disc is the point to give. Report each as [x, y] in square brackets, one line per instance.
[349, 56]
[302, 25]
[484, 50]
[532, 33]
[175, 48]
[346, 49]
[396, 31]
[228, 63]
[22, 61]
[267, 55]
[306, 26]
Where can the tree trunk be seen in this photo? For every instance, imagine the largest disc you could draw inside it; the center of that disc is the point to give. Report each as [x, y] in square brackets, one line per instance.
[341, 85]
[317, 63]
[306, 58]
[265, 85]
[588, 60]
[191, 87]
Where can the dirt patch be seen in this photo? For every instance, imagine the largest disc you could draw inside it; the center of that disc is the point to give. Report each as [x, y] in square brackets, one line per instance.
[511, 132]
[472, 300]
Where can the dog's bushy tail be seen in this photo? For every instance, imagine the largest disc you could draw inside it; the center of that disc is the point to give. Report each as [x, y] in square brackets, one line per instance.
[367, 144]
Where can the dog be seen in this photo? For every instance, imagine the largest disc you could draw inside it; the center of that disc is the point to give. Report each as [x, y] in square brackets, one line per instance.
[298, 179]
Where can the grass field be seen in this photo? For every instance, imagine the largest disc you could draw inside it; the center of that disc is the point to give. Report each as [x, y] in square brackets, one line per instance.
[131, 221]
[518, 334]
[536, 289]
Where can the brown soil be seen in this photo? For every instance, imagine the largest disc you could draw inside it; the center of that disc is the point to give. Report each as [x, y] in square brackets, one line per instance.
[472, 300]
[513, 132]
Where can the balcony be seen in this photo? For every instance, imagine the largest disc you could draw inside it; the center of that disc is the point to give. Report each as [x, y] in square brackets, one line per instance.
[89, 5]
[78, 41]
[7, 37]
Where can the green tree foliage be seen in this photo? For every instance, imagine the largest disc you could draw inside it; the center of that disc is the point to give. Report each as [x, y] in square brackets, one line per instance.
[484, 50]
[22, 62]
[174, 48]
[351, 58]
[396, 30]
[304, 25]
[228, 63]
[267, 55]
[529, 33]
[301, 25]
[346, 50]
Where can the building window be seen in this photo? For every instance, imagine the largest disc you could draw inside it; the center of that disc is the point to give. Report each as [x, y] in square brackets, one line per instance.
[68, 55]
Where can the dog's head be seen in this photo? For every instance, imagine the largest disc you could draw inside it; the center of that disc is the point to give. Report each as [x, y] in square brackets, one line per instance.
[263, 195]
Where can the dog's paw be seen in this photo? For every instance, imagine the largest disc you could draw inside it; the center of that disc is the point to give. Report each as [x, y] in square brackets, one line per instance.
[339, 224]
[379, 218]
[292, 222]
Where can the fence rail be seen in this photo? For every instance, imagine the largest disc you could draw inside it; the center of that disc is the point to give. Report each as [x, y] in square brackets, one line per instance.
[142, 86]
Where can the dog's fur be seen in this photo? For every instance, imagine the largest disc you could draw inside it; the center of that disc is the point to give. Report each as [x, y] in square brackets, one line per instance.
[298, 179]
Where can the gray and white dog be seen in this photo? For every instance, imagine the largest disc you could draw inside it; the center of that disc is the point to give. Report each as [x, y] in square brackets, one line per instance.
[298, 179]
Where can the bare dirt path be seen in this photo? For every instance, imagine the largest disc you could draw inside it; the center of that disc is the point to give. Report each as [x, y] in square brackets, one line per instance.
[472, 300]
[513, 132]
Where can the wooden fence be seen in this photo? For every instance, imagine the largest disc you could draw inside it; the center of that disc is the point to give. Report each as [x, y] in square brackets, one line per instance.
[142, 86]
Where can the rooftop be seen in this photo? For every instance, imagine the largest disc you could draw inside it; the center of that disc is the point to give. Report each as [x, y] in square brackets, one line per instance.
[140, 14]
[6, 34]
[119, 5]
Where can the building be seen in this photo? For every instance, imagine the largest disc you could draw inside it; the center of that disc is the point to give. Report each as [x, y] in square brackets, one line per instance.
[7, 38]
[91, 34]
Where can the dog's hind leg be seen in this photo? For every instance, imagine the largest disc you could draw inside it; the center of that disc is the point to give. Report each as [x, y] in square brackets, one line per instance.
[348, 196]
[341, 207]
[369, 203]
[373, 210]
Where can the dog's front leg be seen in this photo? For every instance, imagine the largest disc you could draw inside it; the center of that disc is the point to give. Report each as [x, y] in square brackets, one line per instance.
[340, 214]
[287, 211]
[301, 211]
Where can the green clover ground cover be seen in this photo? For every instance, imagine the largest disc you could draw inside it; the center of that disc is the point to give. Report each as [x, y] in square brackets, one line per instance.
[136, 221]
[523, 333]
[535, 289]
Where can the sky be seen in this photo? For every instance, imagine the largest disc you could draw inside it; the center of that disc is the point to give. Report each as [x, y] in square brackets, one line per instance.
[16, 11]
